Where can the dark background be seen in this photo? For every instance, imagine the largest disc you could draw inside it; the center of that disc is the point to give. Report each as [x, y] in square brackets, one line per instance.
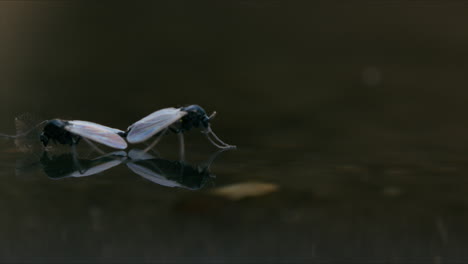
[279, 66]
[355, 109]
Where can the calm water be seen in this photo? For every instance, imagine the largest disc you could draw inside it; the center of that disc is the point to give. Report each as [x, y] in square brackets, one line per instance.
[355, 113]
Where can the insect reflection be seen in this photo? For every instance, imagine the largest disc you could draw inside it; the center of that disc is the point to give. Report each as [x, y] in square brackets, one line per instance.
[169, 173]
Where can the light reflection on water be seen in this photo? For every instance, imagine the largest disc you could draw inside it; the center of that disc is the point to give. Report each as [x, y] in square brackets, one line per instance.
[169, 173]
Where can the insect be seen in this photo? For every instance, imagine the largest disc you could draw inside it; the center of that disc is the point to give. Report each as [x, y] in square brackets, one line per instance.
[169, 173]
[177, 120]
[67, 133]
[68, 165]
[71, 132]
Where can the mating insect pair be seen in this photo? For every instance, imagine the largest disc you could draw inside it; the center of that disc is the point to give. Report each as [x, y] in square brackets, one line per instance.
[169, 173]
[177, 120]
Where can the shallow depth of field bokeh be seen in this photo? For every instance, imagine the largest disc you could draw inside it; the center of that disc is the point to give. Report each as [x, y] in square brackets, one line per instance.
[354, 111]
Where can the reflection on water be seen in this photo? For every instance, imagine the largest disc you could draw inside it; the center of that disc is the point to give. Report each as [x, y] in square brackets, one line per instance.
[169, 173]
[68, 165]
[350, 118]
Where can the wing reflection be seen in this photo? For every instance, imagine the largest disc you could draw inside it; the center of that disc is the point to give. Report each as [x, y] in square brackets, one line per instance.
[169, 173]
[68, 165]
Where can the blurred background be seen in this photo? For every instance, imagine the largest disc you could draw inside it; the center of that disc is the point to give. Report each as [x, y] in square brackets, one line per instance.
[354, 110]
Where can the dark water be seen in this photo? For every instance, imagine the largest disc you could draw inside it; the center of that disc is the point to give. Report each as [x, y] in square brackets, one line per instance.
[356, 112]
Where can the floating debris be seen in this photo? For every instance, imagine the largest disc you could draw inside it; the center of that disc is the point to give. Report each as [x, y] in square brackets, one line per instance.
[239, 191]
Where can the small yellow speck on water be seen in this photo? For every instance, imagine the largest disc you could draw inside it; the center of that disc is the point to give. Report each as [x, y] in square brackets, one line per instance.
[239, 191]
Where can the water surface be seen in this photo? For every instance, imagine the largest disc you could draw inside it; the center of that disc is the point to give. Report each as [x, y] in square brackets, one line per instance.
[356, 112]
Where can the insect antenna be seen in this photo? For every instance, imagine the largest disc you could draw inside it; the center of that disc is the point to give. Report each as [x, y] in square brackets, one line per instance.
[212, 115]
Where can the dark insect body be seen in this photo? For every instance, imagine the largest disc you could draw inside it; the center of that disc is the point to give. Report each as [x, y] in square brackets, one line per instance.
[195, 117]
[55, 130]
[71, 132]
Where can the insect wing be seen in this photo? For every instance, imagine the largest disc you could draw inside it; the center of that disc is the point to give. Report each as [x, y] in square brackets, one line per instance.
[152, 175]
[96, 169]
[138, 154]
[101, 134]
[154, 123]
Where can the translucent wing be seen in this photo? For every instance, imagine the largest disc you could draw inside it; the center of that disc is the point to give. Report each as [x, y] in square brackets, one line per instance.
[102, 163]
[154, 123]
[138, 154]
[68, 165]
[152, 175]
[101, 134]
[95, 169]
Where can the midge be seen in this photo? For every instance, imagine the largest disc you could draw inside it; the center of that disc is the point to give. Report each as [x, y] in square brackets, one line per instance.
[177, 120]
[71, 132]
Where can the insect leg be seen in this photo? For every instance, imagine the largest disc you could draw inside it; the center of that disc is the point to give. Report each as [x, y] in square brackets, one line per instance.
[181, 146]
[212, 142]
[221, 144]
[75, 159]
[155, 141]
[212, 157]
[154, 151]
[94, 146]
[89, 153]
